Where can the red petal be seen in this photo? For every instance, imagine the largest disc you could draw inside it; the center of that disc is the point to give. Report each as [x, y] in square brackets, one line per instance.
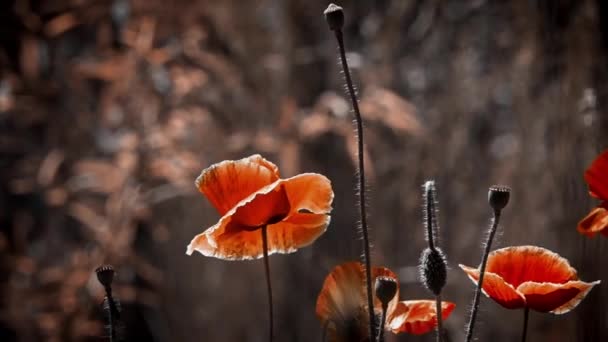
[597, 176]
[300, 205]
[496, 288]
[529, 263]
[555, 298]
[595, 222]
[227, 183]
[417, 317]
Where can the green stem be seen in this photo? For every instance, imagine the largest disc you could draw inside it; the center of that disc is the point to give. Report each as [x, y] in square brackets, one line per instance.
[382, 323]
[269, 285]
[484, 261]
[525, 329]
[361, 187]
[439, 318]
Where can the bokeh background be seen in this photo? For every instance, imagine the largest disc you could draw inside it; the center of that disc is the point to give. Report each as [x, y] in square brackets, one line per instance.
[110, 109]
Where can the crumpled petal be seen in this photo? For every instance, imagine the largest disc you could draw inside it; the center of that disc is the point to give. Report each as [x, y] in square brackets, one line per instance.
[295, 211]
[595, 222]
[227, 183]
[555, 298]
[342, 302]
[495, 287]
[417, 317]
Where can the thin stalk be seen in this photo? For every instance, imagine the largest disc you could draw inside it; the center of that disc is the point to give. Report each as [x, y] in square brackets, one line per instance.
[361, 188]
[269, 285]
[110, 318]
[430, 210]
[525, 329]
[439, 318]
[484, 260]
[324, 335]
[382, 323]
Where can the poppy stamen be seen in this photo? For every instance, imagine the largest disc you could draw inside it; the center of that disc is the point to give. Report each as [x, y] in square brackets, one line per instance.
[498, 198]
[334, 15]
[268, 283]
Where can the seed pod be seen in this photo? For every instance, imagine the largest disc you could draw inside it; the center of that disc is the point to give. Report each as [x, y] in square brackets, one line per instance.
[105, 275]
[498, 197]
[386, 288]
[334, 15]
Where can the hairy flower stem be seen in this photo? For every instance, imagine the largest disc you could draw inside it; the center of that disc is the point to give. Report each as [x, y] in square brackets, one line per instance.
[269, 285]
[484, 260]
[525, 329]
[439, 318]
[382, 323]
[430, 236]
[361, 187]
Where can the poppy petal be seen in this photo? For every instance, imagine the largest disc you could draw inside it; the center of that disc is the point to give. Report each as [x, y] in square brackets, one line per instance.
[309, 192]
[300, 205]
[417, 316]
[297, 231]
[597, 176]
[555, 298]
[227, 183]
[595, 222]
[529, 263]
[495, 287]
[341, 303]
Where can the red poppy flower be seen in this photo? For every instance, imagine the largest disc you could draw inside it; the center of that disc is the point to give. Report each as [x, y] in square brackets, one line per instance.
[250, 194]
[532, 277]
[342, 308]
[597, 178]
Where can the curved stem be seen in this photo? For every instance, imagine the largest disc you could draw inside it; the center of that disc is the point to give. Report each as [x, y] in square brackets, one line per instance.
[361, 187]
[382, 323]
[484, 260]
[439, 318]
[269, 285]
[525, 329]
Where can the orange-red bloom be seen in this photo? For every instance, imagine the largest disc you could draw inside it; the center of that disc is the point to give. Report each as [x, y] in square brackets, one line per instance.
[342, 308]
[533, 277]
[250, 194]
[597, 178]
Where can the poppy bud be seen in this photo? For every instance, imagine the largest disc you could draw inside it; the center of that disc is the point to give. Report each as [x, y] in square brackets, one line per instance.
[334, 15]
[498, 196]
[386, 288]
[105, 275]
[433, 270]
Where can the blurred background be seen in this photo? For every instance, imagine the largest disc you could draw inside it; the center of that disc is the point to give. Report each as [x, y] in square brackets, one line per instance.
[110, 109]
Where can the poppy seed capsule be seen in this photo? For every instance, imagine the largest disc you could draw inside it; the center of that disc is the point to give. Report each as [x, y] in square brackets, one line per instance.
[498, 196]
[386, 288]
[105, 275]
[334, 15]
[433, 270]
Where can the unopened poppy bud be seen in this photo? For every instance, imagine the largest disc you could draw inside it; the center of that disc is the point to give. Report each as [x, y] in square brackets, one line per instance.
[334, 15]
[105, 275]
[433, 270]
[386, 288]
[498, 196]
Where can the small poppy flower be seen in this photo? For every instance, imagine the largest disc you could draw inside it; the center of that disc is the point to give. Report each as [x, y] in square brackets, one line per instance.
[249, 194]
[596, 177]
[531, 277]
[342, 306]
